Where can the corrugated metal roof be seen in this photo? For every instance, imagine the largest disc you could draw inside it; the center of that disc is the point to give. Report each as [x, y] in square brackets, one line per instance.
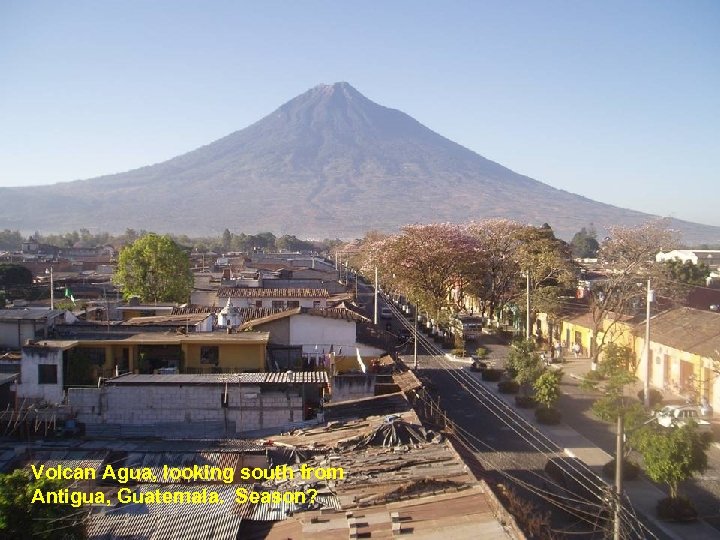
[237, 292]
[308, 377]
[8, 377]
[687, 329]
[28, 314]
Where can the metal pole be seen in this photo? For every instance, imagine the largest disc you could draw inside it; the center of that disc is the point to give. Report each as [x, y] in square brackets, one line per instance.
[527, 308]
[415, 364]
[618, 476]
[648, 353]
[375, 318]
[52, 290]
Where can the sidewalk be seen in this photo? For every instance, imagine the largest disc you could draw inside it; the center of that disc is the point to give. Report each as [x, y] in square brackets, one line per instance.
[643, 494]
[577, 368]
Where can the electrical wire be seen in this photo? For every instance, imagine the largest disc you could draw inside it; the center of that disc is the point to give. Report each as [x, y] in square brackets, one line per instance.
[512, 417]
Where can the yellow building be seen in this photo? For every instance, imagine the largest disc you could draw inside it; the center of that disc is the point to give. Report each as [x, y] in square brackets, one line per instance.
[202, 352]
[684, 352]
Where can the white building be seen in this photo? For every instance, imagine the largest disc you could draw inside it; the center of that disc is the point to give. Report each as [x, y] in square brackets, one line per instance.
[709, 257]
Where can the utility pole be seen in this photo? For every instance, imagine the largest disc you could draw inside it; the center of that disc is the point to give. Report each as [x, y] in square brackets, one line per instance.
[52, 287]
[527, 308]
[618, 476]
[648, 353]
[375, 318]
[415, 363]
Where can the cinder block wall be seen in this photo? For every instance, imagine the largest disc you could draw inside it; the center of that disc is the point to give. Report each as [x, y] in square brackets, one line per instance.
[248, 408]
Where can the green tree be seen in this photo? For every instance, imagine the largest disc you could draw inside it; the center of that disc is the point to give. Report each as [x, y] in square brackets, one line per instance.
[14, 275]
[21, 519]
[671, 455]
[547, 387]
[156, 269]
[11, 240]
[614, 373]
[687, 272]
[552, 271]
[524, 364]
[227, 237]
[584, 244]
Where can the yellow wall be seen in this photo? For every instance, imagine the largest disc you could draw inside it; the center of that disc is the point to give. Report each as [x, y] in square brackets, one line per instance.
[670, 368]
[238, 357]
[585, 336]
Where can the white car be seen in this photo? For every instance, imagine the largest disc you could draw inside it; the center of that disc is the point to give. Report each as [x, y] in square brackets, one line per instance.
[680, 415]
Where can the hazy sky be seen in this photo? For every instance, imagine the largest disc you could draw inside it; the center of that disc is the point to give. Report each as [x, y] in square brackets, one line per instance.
[615, 100]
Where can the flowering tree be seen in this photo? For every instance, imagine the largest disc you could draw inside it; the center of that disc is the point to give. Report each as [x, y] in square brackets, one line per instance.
[425, 262]
[627, 256]
[492, 271]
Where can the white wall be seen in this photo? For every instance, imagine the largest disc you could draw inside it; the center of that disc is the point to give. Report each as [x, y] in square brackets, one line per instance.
[144, 405]
[310, 329]
[29, 388]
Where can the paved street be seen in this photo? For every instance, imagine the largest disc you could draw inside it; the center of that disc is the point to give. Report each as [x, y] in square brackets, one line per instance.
[506, 451]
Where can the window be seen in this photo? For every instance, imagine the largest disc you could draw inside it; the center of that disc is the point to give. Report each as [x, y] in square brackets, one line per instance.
[47, 374]
[293, 303]
[258, 303]
[278, 304]
[316, 304]
[210, 355]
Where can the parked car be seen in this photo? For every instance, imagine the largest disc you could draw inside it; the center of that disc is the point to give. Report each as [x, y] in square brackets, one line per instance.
[681, 415]
[385, 313]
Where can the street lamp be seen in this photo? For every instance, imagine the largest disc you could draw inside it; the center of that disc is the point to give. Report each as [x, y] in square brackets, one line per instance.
[52, 287]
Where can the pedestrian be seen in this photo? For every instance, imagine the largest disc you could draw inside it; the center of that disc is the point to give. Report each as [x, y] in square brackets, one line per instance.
[558, 351]
[576, 349]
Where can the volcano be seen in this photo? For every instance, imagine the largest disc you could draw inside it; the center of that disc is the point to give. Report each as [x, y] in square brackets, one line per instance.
[328, 163]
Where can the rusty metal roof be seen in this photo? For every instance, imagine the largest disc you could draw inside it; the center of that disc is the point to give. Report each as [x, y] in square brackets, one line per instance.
[237, 292]
[291, 377]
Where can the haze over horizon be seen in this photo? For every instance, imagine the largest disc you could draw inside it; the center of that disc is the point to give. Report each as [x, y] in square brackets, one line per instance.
[614, 102]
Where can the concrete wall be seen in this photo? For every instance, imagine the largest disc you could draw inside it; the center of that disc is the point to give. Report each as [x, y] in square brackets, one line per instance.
[347, 387]
[310, 330]
[32, 357]
[279, 331]
[14, 333]
[249, 408]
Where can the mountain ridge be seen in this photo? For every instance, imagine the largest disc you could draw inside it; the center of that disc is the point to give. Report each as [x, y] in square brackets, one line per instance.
[329, 162]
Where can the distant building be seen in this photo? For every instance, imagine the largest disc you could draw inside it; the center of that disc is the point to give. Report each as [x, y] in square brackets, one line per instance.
[17, 325]
[709, 257]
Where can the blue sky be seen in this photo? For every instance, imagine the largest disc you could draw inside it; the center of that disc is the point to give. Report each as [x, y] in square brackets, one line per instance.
[615, 100]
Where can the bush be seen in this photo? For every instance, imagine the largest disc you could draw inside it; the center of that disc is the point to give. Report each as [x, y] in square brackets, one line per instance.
[676, 509]
[656, 397]
[508, 387]
[525, 402]
[478, 365]
[631, 470]
[492, 375]
[546, 415]
[458, 352]
[481, 352]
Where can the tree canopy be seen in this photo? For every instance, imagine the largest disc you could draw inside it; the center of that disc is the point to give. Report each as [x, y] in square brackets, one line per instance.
[627, 257]
[672, 455]
[687, 272]
[14, 275]
[156, 269]
[584, 244]
[22, 520]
